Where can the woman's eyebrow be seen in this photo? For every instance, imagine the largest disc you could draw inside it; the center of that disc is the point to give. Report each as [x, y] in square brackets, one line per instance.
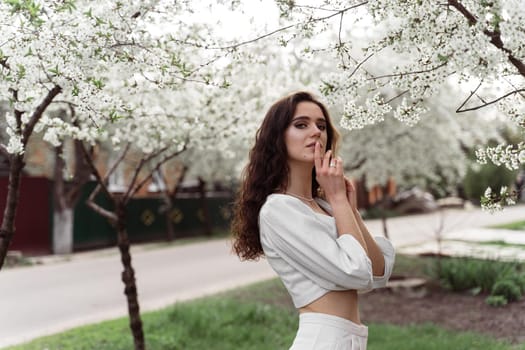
[302, 117]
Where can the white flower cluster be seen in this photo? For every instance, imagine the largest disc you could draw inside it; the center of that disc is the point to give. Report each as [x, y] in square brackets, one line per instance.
[416, 49]
[100, 56]
[514, 108]
[15, 145]
[512, 156]
[56, 130]
[434, 42]
[409, 112]
[429, 154]
[358, 116]
[494, 202]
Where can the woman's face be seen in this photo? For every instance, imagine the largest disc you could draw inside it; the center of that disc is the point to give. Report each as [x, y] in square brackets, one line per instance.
[308, 126]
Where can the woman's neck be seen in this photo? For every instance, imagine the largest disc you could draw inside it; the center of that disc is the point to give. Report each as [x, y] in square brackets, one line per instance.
[300, 180]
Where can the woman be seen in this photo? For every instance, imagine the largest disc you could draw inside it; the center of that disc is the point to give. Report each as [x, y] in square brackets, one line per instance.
[318, 245]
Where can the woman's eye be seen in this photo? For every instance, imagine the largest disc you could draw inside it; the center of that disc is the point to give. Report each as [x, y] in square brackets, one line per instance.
[300, 125]
[322, 127]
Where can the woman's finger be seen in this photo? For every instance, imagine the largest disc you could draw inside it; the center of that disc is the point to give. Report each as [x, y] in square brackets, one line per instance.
[318, 157]
[338, 165]
[326, 160]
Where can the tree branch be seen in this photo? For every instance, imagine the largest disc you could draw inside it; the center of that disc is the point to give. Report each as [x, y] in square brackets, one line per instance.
[97, 208]
[316, 8]
[35, 117]
[360, 64]
[459, 110]
[469, 97]
[3, 151]
[156, 168]
[116, 163]
[3, 63]
[408, 73]
[396, 96]
[495, 36]
[18, 114]
[282, 29]
[101, 185]
[96, 173]
[135, 176]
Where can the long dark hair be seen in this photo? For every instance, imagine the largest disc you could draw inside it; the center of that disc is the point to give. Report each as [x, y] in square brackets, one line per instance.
[267, 171]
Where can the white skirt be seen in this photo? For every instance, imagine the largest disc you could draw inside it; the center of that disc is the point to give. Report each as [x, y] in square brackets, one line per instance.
[319, 331]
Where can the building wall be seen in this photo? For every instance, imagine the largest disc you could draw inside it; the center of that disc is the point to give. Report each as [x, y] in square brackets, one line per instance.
[33, 217]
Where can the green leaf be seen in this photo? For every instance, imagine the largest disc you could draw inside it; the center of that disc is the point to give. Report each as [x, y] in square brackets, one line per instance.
[55, 70]
[98, 83]
[114, 116]
[21, 72]
[27, 8]
[442, 58]
[67, 5]
[75, 90]
[89, 13]
[99, 21]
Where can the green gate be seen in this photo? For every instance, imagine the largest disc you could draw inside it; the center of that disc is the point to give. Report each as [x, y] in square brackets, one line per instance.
[147, 219]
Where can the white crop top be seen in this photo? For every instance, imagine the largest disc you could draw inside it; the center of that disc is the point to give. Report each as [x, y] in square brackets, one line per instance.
[303, 248]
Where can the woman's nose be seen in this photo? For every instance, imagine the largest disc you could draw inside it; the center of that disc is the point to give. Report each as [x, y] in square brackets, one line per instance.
[316, 131]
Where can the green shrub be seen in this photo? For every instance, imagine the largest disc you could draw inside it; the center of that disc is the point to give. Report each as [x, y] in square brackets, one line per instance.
[519, 280]
[496, 300]
[508, 289]
[464, 274]
[476, 181]
[503, 280]
[458, 274]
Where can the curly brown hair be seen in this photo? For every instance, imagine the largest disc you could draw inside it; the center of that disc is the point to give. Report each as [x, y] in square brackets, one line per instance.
[267, 171]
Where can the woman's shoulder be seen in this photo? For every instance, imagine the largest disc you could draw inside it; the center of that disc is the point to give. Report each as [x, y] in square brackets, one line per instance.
[279, 203]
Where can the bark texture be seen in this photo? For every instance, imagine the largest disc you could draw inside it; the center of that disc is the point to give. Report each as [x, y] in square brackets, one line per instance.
[128, 277]
[13, 191]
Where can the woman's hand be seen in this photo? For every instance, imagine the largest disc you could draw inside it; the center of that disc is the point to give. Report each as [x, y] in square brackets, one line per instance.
[329, 174]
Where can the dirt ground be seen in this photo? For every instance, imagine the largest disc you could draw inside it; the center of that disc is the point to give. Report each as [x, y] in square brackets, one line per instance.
[453, 311]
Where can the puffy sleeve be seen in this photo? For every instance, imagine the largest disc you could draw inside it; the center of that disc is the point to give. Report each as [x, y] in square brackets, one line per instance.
[308, 242]
[389, 255]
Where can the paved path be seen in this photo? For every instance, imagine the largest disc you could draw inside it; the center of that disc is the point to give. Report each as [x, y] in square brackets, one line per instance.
[460, 232]
[84, 288]
[46, 299]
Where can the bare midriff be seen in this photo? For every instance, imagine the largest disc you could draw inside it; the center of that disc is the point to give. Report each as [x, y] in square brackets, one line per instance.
[337, 303]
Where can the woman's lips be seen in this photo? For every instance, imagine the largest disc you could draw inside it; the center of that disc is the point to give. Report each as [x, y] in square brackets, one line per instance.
[312, 145]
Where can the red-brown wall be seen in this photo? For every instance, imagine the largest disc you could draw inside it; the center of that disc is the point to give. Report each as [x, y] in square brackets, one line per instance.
[33, 216]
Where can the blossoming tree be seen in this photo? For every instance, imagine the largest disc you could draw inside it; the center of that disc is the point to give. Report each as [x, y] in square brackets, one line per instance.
[385, 150]
[478, 45]
[88, 59]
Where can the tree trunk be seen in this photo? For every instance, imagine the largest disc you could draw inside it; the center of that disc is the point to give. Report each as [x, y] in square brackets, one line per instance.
[204, 208]
[169, 199]
[66, 195]
[63, 231]
[8, 221]
[383, 221]
[62, 213]
[128, 277]
[386, 204]
[170, 230]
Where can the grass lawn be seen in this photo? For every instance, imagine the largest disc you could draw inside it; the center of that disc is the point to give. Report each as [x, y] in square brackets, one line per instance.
[245, 319]
[516, 225]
